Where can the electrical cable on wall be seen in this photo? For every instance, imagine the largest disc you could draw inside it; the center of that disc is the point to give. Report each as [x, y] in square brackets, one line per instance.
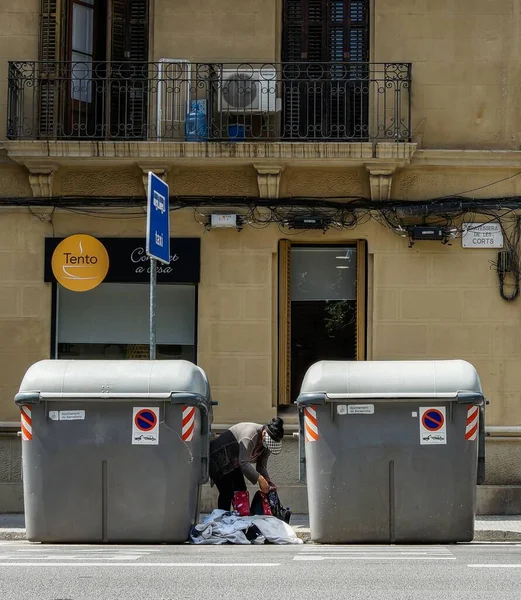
[339, 213]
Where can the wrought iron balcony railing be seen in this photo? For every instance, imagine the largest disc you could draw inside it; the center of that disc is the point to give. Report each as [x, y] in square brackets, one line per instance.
[175, 100]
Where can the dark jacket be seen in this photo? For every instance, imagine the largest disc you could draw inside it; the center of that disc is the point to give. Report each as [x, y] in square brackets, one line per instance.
[239, 447]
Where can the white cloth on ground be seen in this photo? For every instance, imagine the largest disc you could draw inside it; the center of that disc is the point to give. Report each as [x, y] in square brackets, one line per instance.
[222, 526]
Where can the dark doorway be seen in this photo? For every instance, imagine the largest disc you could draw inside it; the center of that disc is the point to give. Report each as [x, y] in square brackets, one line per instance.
[323, 307]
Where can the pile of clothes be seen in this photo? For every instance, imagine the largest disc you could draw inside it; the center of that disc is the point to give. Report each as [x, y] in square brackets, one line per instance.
[225, 527]
[265, 521]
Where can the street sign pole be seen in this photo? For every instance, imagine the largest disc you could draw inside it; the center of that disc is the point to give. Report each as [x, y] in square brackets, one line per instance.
[158, 242]
[153, 279]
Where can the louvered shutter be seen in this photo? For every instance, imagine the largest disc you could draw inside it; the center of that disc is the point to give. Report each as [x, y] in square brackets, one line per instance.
[332, 103]
[48, 73]
[129, 73]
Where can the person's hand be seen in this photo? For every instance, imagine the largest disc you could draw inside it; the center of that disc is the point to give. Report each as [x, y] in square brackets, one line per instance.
[263, 484]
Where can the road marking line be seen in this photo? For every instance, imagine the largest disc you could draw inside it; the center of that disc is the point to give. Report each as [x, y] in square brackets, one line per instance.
[495, 566]
[320, 551]
[313, 548]
[197, 564]
[377, 555]
[310, 557]
[66, 557]
[490, 544]
[122, 549]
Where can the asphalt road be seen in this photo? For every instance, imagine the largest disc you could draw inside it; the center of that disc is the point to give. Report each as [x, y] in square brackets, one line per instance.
[473, 571]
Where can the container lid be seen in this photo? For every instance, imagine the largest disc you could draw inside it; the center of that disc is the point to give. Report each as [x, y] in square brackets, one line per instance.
[105, 378]
[391, 379]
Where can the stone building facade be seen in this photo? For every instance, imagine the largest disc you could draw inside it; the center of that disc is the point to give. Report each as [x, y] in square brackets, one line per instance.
[405, 101]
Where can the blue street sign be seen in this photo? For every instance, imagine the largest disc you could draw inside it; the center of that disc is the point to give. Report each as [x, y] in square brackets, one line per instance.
[158, 219]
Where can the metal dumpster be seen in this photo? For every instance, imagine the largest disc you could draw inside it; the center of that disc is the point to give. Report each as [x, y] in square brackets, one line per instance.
[113, 450]
[393, 450]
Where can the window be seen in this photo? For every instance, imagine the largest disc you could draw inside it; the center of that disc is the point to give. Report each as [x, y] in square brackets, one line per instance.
[112, 321]
[324, 99]
[82, 49]
[94, 56]
[325, 31]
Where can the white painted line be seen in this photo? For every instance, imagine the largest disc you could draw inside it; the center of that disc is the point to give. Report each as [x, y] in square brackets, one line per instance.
[378, 553]
[489, 544]
[315, 549]
[495, 566]
[89, 550]
[375, 546]
[37, 545]
[66, 557]
[181, 564]
[310, 557]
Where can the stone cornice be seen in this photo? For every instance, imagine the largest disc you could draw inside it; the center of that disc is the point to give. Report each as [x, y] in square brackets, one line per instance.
[350, 154]
[72, 152]
[467, 158]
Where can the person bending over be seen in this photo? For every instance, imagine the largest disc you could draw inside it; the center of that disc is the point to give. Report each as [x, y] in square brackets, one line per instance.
[232, 456]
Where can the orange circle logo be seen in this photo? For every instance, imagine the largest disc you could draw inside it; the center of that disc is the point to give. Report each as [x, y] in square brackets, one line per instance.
[80, 263]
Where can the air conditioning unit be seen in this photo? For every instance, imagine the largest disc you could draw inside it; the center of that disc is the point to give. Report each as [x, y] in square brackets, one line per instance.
[249, 90]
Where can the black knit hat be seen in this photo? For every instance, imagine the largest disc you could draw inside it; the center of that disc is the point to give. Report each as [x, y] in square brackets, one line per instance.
[275, 429]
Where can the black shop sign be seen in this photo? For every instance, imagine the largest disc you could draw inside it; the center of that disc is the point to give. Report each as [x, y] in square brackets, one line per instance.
[129, 263]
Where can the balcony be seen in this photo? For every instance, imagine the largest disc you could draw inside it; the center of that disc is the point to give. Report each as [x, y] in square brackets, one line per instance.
[177, 101]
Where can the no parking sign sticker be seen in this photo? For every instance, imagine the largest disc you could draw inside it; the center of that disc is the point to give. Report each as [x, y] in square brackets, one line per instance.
[145, 426]
[433, 426]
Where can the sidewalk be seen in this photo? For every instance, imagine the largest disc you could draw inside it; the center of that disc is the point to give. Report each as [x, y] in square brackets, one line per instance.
[488, 528]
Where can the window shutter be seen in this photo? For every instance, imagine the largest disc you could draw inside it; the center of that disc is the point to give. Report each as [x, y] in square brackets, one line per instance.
[348, 31]
[304, 31]
[325, 31]
[129, 72]
[293, 41]
[49, 55]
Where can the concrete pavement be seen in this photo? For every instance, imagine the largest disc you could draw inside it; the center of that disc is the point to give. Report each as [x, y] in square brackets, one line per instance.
[475, 571]
[488, 528]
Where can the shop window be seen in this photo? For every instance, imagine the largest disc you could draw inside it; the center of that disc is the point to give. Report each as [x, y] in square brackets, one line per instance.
[112, 322]
[321, 309]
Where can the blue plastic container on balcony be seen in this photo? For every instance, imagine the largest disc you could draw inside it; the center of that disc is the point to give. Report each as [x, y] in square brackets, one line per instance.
[196, 124]
[236, 133]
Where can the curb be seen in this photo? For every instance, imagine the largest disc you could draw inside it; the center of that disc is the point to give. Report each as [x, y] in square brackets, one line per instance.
[484, 535]
[12, 534]
[495, 535]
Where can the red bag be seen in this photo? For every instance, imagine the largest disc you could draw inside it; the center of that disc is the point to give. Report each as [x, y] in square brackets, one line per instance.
[241, 503]
[260, 504]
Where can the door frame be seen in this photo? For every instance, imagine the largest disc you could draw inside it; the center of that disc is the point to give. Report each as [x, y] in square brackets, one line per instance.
[284, 308]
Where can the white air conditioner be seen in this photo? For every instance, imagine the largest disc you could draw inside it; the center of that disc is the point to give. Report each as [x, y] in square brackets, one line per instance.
[249, 90]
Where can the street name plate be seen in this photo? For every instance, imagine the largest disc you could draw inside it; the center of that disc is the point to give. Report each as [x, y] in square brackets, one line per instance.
[482, 235]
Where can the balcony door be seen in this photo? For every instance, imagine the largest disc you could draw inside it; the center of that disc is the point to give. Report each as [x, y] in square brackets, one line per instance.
[94, 75]
[325, 94]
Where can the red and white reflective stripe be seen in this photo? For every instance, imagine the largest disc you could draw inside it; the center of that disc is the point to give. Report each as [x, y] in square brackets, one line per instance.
[471, 430]
[188, 424]
[310, 424]
[27, 424]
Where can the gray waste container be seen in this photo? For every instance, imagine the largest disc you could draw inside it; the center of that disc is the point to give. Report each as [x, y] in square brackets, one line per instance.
[113, 451]
[391, 450]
